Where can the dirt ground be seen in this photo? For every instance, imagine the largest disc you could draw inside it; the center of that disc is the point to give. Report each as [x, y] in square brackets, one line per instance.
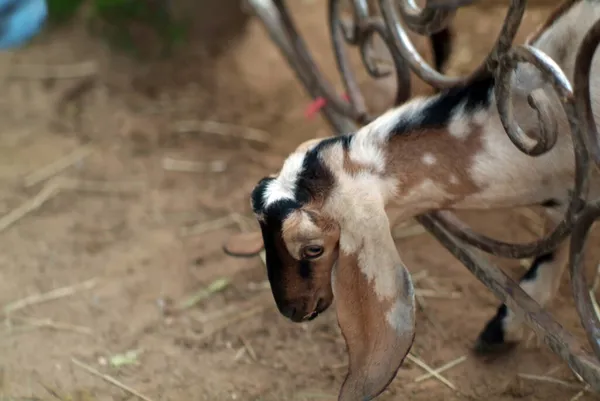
[124, 238]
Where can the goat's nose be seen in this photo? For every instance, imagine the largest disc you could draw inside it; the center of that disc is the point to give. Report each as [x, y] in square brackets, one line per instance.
[289, 311]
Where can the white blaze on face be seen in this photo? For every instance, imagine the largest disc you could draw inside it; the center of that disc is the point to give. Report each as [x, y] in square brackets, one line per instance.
[284, 185]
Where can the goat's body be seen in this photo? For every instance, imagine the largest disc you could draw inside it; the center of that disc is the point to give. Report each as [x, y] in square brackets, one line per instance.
[503, 175]
[448, 151]
[474, 155]
[509, 178]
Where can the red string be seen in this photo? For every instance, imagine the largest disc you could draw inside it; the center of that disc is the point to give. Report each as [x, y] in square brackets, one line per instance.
[316, 105]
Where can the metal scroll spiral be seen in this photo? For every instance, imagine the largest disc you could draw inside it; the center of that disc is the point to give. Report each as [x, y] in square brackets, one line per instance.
[502, 60]
[399, 15]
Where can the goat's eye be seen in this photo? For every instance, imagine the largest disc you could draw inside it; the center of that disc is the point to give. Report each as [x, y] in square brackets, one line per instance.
[312, 251]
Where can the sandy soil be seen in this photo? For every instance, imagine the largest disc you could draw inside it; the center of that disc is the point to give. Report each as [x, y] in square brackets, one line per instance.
[135, 229]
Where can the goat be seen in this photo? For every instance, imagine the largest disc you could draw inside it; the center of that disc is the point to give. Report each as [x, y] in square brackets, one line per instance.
[323, 216]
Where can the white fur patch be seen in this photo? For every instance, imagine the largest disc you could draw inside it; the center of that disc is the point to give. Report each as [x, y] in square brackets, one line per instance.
[284, 185]
[481, 116]
[352, 204]
[368, 144]
[459, 126]
[410, 111]
[425, 196]
[377, 263]
[333, 156]
[365, 151]
[401, 317]
[509, 177]
[358, 204]
[429, 159]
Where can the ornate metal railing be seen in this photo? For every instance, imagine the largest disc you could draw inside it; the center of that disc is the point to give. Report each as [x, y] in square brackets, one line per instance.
[457, 237]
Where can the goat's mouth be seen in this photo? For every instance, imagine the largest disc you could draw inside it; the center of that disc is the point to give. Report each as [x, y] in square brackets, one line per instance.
[300, 314]
[321, 307]
[311, 316]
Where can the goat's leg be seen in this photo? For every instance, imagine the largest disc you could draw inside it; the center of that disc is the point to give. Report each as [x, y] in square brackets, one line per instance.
[441, 44]
[541, 282]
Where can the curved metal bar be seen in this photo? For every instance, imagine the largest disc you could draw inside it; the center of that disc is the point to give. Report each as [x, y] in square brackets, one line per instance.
[375, 26]
[351, 35]
[458, 228]
[551, 72]
[581, 293]
[361, 33]
[508, 291]
[419, 66]
[361, 8]
[270, 14]
[425, 20]
[334, 100]
[583, 66]
[449, 4]
[404, 46]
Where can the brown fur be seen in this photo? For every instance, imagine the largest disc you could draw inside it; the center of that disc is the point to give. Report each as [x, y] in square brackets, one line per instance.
[453, 157]
[319, 286]
[352, 167]
[375, 349]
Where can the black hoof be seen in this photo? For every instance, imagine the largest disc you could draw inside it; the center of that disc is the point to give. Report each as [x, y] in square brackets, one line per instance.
[491, 339]
[483, 349]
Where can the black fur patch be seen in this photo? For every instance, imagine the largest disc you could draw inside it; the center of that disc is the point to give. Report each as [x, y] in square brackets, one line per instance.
[305, 269]
[550, 203]
[531, 273]
[315, 178]
[278, 211]
[441, 44]
[439, 112]
[274, 264]
[257, 197]
[493, 333]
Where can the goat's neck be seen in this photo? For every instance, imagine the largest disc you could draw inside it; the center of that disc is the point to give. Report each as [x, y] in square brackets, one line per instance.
[450, 151]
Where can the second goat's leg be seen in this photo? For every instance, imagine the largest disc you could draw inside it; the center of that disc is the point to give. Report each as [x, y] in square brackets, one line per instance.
[541, 282]
[441, 45]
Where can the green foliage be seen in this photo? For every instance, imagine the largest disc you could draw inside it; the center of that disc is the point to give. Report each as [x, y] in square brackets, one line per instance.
[62, 10]
[113, 19]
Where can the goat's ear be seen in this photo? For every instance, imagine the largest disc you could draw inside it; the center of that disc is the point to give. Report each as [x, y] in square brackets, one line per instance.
[375, 309]
[244, 245]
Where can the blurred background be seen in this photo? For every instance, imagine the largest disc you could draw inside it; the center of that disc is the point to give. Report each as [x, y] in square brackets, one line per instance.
[131, 134]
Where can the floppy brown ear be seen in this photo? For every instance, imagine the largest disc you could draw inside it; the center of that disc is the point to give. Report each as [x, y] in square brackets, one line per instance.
[376, 313]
